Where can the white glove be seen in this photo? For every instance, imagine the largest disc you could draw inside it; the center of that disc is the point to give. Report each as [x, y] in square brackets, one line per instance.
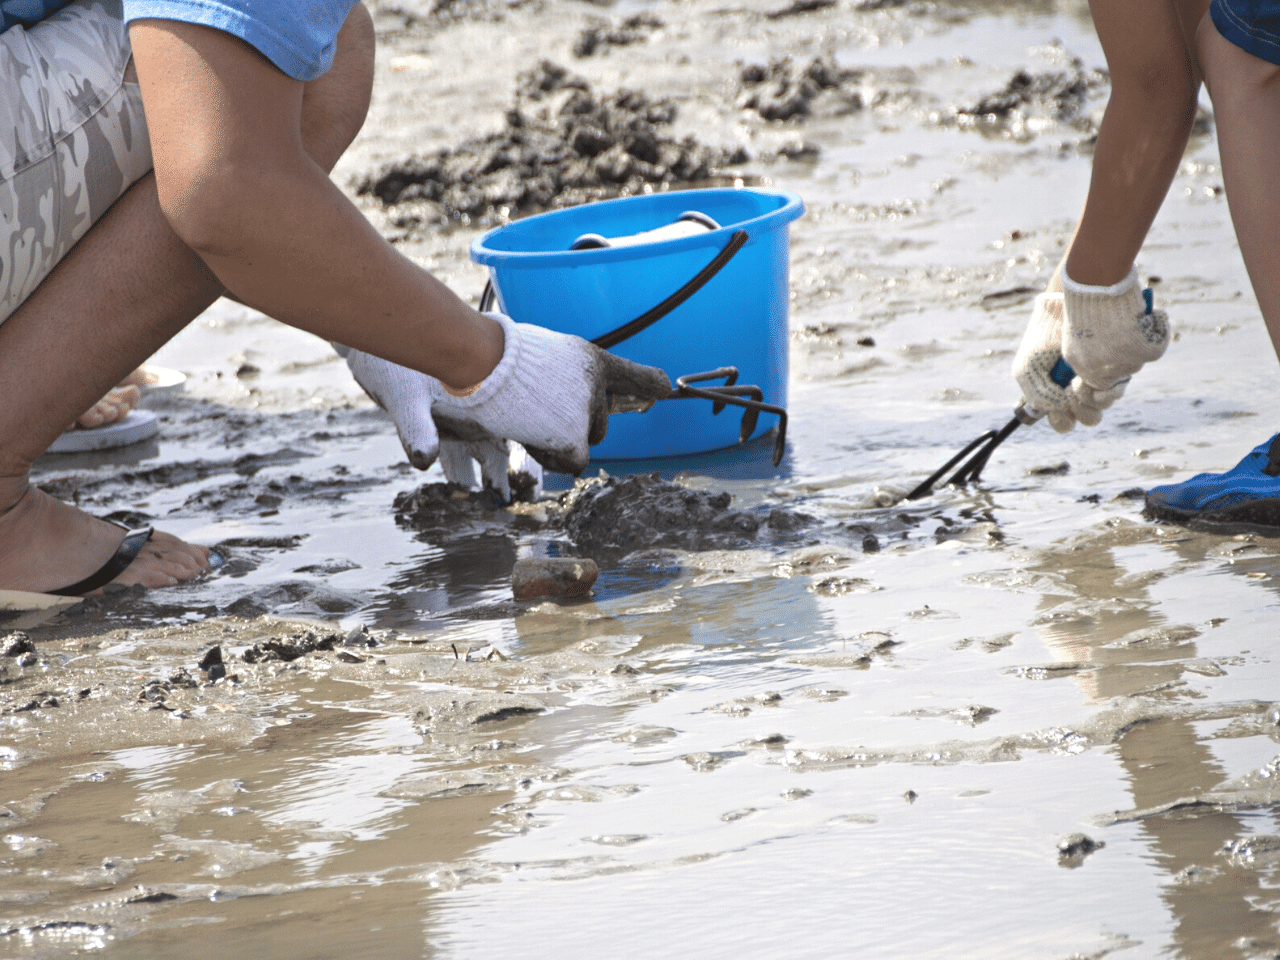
[407, 396]
[551, 392]
[1105, 334]
[1110, 331]
[1037, 355]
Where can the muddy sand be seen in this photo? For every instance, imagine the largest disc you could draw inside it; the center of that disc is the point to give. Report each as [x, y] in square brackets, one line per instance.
[797, 716]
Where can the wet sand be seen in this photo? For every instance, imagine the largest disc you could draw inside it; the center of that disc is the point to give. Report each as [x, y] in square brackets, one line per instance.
[1014, 720]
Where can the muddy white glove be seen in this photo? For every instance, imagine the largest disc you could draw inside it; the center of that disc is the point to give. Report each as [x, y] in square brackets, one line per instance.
[552, 393]
[1105, 334]
[407, 396]
[1110, 332]
[505, 467]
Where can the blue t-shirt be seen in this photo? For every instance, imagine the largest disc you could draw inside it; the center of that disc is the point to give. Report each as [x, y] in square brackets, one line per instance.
[298, 36]
[26, 12]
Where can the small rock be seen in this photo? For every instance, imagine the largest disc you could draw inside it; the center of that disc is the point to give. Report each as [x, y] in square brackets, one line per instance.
[1050, 470]
[561, 578]
[16, 644]
[359, 637]
[1076, 847]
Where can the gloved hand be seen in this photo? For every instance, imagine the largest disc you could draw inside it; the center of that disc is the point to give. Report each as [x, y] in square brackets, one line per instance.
[1106, 334]
[1037, 355]
[551, 392]
[407, 396]
[505, 467]
[1110, 332]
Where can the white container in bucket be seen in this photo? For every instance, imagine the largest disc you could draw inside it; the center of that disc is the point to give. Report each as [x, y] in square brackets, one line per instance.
[738, 318]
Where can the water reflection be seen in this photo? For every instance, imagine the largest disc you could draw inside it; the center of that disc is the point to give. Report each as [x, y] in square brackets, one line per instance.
[1110, 617]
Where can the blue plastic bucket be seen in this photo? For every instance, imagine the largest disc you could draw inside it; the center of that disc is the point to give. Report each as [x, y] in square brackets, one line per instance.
[738, 319]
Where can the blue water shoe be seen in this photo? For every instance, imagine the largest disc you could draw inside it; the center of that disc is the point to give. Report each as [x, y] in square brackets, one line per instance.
[1246, 496]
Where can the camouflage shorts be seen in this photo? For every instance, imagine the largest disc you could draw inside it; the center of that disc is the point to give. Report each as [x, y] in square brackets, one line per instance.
[72, 137]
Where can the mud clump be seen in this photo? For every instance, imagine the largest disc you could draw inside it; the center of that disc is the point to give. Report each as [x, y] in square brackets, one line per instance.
[18, 647]
[779, 91]
[562, 145]
[609, 517]
[1059, 95]
[290, 648]
[442, 510]
[1074, 848]
[601, 35]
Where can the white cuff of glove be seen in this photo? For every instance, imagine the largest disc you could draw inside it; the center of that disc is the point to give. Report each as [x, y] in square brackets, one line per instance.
[539, 395]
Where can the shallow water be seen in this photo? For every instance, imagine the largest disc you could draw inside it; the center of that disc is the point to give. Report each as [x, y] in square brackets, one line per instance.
[796, 747]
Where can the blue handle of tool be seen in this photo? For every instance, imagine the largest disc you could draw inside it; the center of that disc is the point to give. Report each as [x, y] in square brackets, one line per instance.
[1062, 374]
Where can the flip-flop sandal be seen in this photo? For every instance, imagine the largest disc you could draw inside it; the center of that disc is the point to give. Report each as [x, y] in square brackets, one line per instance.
[126, 553]
[135, 426]
[159, 380]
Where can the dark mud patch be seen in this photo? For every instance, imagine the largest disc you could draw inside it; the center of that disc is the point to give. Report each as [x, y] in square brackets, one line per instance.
[300, 436]
[415, 16]
[598, 36]
[799, 7]
[610, 517]
[563, 145]
[640, 517]
[440, 512]
[783, 91]
[1017, 110]
[293, 646]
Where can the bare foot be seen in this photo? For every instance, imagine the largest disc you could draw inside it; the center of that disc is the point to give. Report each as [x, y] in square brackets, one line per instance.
[46, 544]
[114, 406]
[142, 377]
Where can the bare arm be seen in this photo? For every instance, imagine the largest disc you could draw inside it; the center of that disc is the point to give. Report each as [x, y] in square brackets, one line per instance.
[239, 188]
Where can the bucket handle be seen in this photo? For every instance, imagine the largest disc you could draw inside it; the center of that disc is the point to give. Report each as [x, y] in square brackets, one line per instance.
[653, 315]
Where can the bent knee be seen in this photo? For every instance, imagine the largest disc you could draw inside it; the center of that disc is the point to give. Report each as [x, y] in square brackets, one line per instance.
[1158, 83]
[209, 205]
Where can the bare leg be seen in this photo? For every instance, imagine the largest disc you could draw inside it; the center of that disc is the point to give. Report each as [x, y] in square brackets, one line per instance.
[145, 285]
[1246, 104]
[1144, 131]
[240, 190]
